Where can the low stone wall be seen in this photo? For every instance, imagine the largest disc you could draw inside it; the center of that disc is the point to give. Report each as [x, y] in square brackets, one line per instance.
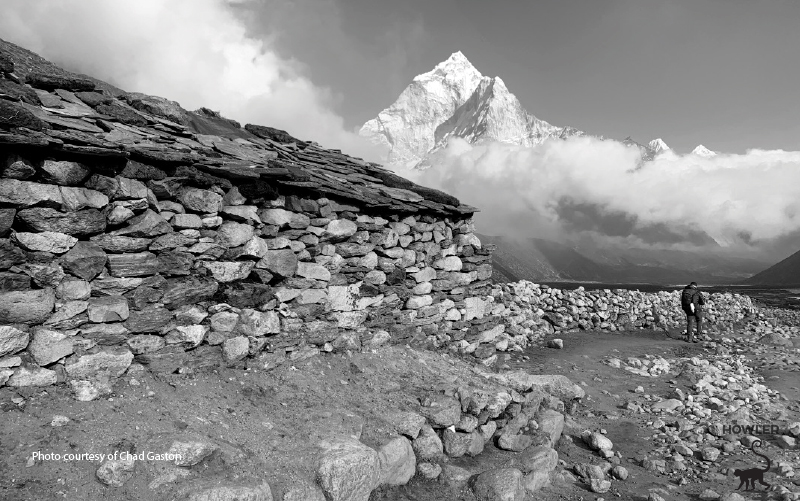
[528, 308]
[101, 263]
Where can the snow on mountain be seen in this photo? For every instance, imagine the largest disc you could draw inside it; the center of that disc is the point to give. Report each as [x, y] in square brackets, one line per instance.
[455, 100]
[407, 127]
[702, 151]
[658, 145]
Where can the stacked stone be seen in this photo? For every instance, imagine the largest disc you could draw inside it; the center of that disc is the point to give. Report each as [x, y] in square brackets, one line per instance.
[532, 310]
[147, 260]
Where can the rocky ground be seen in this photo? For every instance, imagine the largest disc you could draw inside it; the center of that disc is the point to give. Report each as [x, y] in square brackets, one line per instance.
[653, 424]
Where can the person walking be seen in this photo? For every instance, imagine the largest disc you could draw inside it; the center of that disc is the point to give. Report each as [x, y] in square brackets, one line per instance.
[692, 302]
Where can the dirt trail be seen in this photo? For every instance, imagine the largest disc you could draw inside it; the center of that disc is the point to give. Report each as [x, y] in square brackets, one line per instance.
[607, 388]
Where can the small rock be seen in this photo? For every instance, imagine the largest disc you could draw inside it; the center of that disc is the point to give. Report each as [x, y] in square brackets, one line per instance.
[429, 471]
[600, 486]
[115, 473]
[499, 485]
[556, 343]
[191, 453]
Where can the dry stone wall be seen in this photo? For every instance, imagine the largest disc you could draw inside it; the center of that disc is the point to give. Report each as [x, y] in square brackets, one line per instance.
[100, 267]
[529, 311]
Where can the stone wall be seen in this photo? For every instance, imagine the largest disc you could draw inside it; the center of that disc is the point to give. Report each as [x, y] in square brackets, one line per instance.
[101, 263]
[527, 311]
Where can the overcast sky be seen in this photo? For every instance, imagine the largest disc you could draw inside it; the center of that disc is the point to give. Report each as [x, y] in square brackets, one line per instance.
[718, 72]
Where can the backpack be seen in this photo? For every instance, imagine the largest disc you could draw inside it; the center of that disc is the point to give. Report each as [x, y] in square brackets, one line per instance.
[686, 300]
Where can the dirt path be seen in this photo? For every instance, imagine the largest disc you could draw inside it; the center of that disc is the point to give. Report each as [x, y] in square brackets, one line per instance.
[607, 389]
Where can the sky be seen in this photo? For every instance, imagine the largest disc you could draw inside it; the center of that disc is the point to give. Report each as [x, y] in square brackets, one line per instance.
[722, 73]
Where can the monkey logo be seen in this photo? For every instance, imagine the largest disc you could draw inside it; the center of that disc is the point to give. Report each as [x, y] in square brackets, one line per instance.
[748, 477]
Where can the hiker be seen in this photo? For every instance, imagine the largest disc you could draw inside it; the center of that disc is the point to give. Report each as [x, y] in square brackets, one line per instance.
[692, 302]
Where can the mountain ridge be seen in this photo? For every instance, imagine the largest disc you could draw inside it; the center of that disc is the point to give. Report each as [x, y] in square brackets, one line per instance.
[455, 100]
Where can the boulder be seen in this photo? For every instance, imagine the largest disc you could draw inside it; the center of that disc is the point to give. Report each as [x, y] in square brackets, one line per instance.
[188, 336]
[146, 225]
[242, 212]
[150, 319]
[340, 229]
[140, 264]
[26, 307]
[348, 470]
[552, 423]
[397, 462]
[427, 445]
[46, 241]
[144, 343]
[235, 348]
[537, 458]
[188, 290]
[73, 290]
[442, 411]
[256, 323]
[81, 222]
[282, 262]
[111, 364]
[232, 234]
[406, 423]
[49, 346]
[81, 198]
[12, 340]
[499, 485]
[313, 271]
[108, 309]
[229, 271]
[198, 200]
[116, 243]
[27, 194]
[32, 376]
[64, 173]
[454, 477]
[6, 220]
[85, 260]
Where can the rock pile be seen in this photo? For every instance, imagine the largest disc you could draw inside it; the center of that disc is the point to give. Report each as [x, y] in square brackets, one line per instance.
[516, 411]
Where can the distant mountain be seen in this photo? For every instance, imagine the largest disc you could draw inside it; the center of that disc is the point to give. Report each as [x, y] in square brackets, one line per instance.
[786, 272]
[455, 100]
[543, 260]
[702, 151]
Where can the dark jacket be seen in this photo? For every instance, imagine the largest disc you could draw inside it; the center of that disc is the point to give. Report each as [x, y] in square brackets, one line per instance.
[690, 295]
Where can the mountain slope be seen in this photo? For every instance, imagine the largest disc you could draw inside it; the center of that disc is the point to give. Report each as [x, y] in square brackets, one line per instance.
[454, 100]
[407, 127]
[786, 272]
[538, 259]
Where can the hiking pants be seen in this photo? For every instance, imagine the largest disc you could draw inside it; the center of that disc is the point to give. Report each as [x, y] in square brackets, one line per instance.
[698, 318]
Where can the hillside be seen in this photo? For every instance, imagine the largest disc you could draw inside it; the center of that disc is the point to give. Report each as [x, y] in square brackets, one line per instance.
[786, 272]
[543, 260]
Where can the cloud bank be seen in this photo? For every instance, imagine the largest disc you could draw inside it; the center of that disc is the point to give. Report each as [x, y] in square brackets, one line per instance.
[581, 186]
[196, 52]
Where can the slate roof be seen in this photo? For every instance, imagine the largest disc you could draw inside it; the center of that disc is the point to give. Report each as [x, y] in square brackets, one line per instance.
[47, 108]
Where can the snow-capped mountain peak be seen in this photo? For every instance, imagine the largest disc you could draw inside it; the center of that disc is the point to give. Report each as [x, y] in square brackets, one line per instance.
[702, 151]
[658, 145]
[454, 100]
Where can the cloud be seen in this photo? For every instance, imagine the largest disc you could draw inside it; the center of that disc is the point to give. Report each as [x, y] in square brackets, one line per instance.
[196, 52]
[589, 186]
